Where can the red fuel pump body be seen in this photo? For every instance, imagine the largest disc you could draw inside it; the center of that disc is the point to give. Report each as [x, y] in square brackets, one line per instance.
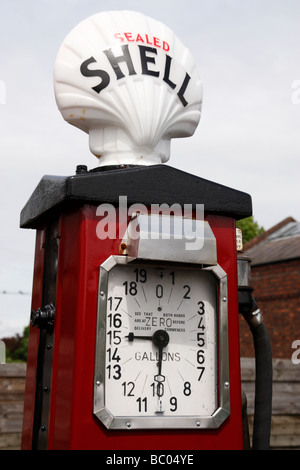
[58, 410]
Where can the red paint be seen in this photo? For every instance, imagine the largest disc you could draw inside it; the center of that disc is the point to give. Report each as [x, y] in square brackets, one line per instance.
[71, 422]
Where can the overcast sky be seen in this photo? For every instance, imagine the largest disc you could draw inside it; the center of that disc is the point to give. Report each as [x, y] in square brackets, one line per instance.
[248, 57]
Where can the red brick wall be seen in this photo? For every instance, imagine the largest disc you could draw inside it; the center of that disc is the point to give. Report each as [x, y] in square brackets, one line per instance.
[277, 293]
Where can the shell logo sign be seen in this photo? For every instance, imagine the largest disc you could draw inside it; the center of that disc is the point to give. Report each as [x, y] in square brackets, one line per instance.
[130, 83]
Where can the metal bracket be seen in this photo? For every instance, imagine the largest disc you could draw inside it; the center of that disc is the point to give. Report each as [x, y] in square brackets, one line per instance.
[169, 238]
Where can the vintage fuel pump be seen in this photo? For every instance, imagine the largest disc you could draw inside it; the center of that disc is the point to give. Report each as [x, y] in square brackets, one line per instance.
[134, 338]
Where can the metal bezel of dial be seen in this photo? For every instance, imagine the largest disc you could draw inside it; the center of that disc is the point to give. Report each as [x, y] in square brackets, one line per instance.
[149, 345]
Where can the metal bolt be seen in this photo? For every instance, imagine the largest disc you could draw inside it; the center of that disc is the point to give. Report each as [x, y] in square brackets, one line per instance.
[198, 424]
[128, 425]
[43, 428]
[98, 383]
[224, 299]
[102, 294]
[81, 169]
[226, 384]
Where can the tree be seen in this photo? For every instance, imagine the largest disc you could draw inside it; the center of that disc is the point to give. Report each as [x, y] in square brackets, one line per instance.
[17, 347]
[250, 228]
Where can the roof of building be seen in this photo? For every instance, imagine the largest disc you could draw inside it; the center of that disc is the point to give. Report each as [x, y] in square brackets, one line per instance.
[280, 243]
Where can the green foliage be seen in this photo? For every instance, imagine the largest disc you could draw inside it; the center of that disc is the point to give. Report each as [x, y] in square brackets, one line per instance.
[17, 347]
[250, 228]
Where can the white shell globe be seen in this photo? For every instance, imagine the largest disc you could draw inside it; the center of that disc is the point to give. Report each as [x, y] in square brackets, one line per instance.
[131, 84]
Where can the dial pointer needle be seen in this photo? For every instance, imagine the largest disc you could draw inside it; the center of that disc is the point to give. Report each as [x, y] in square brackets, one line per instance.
[160, 339]
[132, 336]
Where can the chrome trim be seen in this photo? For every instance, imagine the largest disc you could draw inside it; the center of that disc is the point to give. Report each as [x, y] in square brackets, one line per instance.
[158, 422]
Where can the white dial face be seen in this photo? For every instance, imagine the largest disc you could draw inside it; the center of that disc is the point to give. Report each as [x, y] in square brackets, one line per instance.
[160, 333]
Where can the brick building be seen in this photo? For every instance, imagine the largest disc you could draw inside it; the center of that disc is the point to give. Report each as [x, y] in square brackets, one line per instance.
[275, 277]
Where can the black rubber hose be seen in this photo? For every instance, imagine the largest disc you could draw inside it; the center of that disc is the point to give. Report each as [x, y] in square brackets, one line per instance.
[263, 377]
[263, 388]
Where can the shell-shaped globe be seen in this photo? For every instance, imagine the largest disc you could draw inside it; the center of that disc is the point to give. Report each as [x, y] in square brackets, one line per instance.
[130, 83]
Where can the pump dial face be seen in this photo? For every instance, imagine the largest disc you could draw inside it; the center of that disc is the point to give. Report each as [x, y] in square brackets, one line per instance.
[158, 363]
